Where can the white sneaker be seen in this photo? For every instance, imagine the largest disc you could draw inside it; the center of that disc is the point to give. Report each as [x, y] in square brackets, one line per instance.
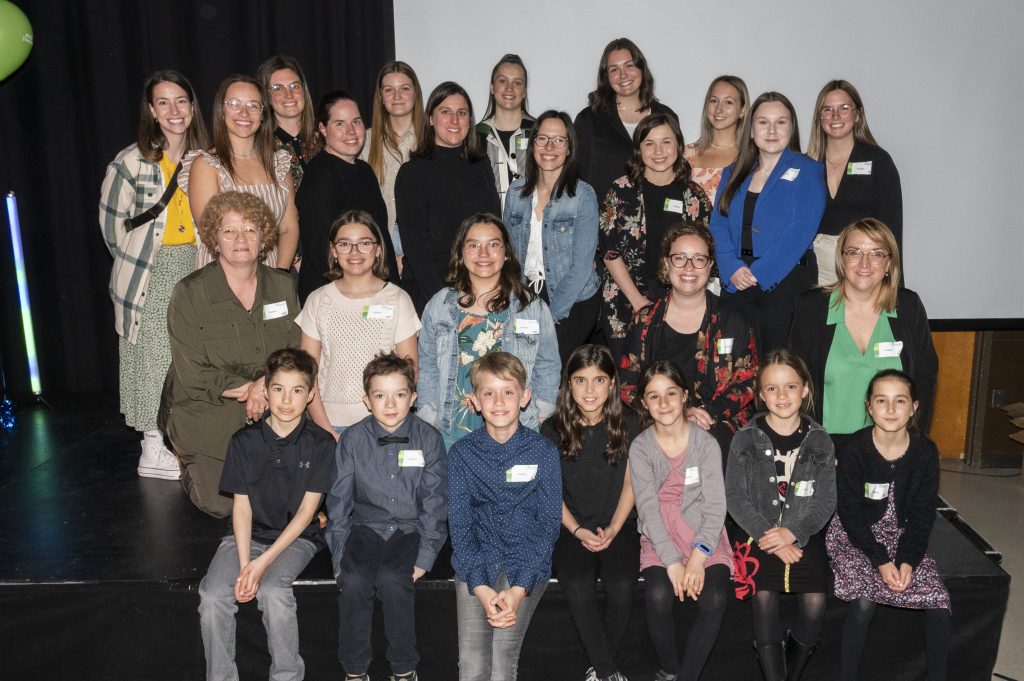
[158, 462]
[591, 675]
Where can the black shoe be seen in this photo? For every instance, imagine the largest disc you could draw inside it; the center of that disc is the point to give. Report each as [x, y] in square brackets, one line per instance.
[772, 658]
[797, 656]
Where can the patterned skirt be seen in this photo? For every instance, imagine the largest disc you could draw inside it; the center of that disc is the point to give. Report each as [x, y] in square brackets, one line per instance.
[144, 364]
[857, 578]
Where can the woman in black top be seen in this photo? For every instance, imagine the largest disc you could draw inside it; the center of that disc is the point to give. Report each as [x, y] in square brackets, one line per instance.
[336, 181]
[446, 180]
[862, 179]
[624, 95]
[599, 535]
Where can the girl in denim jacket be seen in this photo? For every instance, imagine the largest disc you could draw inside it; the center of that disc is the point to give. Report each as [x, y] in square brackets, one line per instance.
[781, 490]
[486, 308]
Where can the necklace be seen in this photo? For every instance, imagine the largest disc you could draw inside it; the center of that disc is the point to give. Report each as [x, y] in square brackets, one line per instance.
[722, 146]
[834, 166]
[249, 155]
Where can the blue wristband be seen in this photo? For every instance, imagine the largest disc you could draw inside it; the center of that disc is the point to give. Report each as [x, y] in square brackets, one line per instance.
[703, 548]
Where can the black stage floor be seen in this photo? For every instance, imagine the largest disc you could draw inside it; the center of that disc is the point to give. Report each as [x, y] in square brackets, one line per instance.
[99, 570]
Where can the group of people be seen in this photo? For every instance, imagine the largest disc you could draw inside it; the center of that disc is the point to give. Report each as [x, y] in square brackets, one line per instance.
[671, 318]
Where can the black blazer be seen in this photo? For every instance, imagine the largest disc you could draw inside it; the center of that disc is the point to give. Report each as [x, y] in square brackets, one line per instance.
[811, 338]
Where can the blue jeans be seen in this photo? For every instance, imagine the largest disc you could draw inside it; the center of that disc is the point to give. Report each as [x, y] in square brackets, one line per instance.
[486, 653]
[276, 601]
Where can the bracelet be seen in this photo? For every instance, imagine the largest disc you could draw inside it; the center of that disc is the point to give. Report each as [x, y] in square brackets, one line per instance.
[703, 548]
[578, 528]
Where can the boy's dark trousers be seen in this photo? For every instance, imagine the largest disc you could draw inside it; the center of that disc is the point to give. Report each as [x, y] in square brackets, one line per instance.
[372, 567]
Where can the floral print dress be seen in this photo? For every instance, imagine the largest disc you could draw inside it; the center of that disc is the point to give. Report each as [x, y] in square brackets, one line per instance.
[478, 336]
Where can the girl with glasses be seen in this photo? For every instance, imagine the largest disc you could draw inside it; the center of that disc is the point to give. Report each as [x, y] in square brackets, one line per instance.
[295, 129]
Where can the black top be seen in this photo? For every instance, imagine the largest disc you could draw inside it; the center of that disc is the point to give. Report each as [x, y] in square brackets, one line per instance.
[604, 146]
[915, 480]
[432, 198]
[658, 217]
[747, 239]
[680, 348]
[786, 449]
[330, 186]
[590, 485]
[506, 136]
[869, 188]
[275, 473]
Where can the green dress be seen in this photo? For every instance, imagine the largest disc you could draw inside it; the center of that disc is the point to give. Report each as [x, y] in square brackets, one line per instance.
[478, 335]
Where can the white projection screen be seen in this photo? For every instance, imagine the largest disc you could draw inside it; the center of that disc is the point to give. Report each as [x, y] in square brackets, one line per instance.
[942, 82]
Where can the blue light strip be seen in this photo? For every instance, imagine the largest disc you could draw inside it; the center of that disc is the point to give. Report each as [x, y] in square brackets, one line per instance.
[26, 309]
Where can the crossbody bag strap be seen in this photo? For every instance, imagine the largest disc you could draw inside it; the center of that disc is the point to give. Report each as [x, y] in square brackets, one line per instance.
[154, 211]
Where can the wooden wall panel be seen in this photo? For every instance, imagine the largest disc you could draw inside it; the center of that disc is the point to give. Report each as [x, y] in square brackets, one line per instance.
[953, 392]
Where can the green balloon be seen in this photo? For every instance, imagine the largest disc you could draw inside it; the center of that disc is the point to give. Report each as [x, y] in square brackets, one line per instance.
[15, 38]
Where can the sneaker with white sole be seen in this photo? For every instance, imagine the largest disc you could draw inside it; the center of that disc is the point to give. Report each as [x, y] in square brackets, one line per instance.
[158, 462]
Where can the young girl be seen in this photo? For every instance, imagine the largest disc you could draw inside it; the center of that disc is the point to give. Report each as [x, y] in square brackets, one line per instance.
[887, 483]
[599, 537]
[348, 321]
[781, 488]
[676, 473]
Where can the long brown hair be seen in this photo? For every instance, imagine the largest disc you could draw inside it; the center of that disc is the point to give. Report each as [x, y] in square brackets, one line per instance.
[425, 143]
[568, 421]
[861, 132]
[151, 139]
[706, 131]
[277, 63]
[510, 280]
[382, 135]
[603, 97]
[263, 138]
[635, 165]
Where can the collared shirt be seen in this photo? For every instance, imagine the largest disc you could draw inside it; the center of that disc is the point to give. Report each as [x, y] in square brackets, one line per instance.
[505, 507]
[276, 472]
[390, 487]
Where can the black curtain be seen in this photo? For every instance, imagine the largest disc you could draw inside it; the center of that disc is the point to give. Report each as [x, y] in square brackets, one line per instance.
[74, 104]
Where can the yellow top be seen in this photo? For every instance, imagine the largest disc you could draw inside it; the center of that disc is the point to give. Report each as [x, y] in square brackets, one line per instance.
[178, 228]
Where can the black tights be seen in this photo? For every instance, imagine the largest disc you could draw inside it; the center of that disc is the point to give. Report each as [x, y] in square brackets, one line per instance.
[660, 601]
[855, 634]
[767, 624]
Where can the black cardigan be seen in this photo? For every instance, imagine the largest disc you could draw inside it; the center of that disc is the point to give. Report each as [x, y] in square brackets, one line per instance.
[811, 338]
[916, 479]
[877, 195]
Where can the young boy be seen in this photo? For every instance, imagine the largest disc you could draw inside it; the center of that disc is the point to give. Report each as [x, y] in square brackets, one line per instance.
[387, 510]
[505, 512]
[278, 469]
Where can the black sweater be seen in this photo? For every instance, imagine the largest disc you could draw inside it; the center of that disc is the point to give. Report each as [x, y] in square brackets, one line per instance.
[915, 476]
[875, 195]
[432, 198]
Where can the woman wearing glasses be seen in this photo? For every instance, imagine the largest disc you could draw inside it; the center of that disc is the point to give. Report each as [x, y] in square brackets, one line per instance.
[336, 181]
[863, 323]
[294, 130]
[552, 217]
[357, 315]
[486, 308]
[708, 338]
[862, 179]
[243, 158]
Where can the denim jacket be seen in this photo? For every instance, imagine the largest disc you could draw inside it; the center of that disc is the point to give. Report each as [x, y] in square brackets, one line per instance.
[753, 495]
[439, 347]
[570, 242]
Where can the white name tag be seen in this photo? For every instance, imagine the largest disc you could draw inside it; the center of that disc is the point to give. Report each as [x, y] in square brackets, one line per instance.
[673, 206]
[804, 488]
[378, 311]
[862, 168]
[691, 476]
[790, 174]
[410, 458]
[524, 472]
[530, 327]
[275, 310]
[522, 143]
[724, 346]
[876, 490]
[888, 349]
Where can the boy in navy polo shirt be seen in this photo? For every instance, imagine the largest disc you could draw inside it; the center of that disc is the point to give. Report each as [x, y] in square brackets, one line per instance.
[278, 470]
[387, 510]
[504, 515]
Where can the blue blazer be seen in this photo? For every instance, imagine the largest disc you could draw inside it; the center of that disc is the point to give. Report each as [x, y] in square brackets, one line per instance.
[786, 218]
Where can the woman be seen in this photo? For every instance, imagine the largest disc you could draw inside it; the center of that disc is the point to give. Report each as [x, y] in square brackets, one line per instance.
[487, 309]
[294, 130]
[862, 179]
[505, 129]
[336, 181]
[708, 338]
[725, 106]
[148, 228]
[223, 321]
[863, 323]
[767, 213]
[446, 181]
[397, 118]
[552, 217]
[639, 207]
[243, 159]
[624, 95]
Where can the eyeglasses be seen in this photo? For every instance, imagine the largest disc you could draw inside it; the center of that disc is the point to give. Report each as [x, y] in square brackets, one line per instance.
[364, 246]
[235, 105]
[233, 232]
[474, 247]
[679, 261]
[557, 141]
[278, 89]
[855, 254]
[841, 111]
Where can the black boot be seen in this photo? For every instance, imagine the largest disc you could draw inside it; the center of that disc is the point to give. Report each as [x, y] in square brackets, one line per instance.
[772, 658]
[797, 656]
